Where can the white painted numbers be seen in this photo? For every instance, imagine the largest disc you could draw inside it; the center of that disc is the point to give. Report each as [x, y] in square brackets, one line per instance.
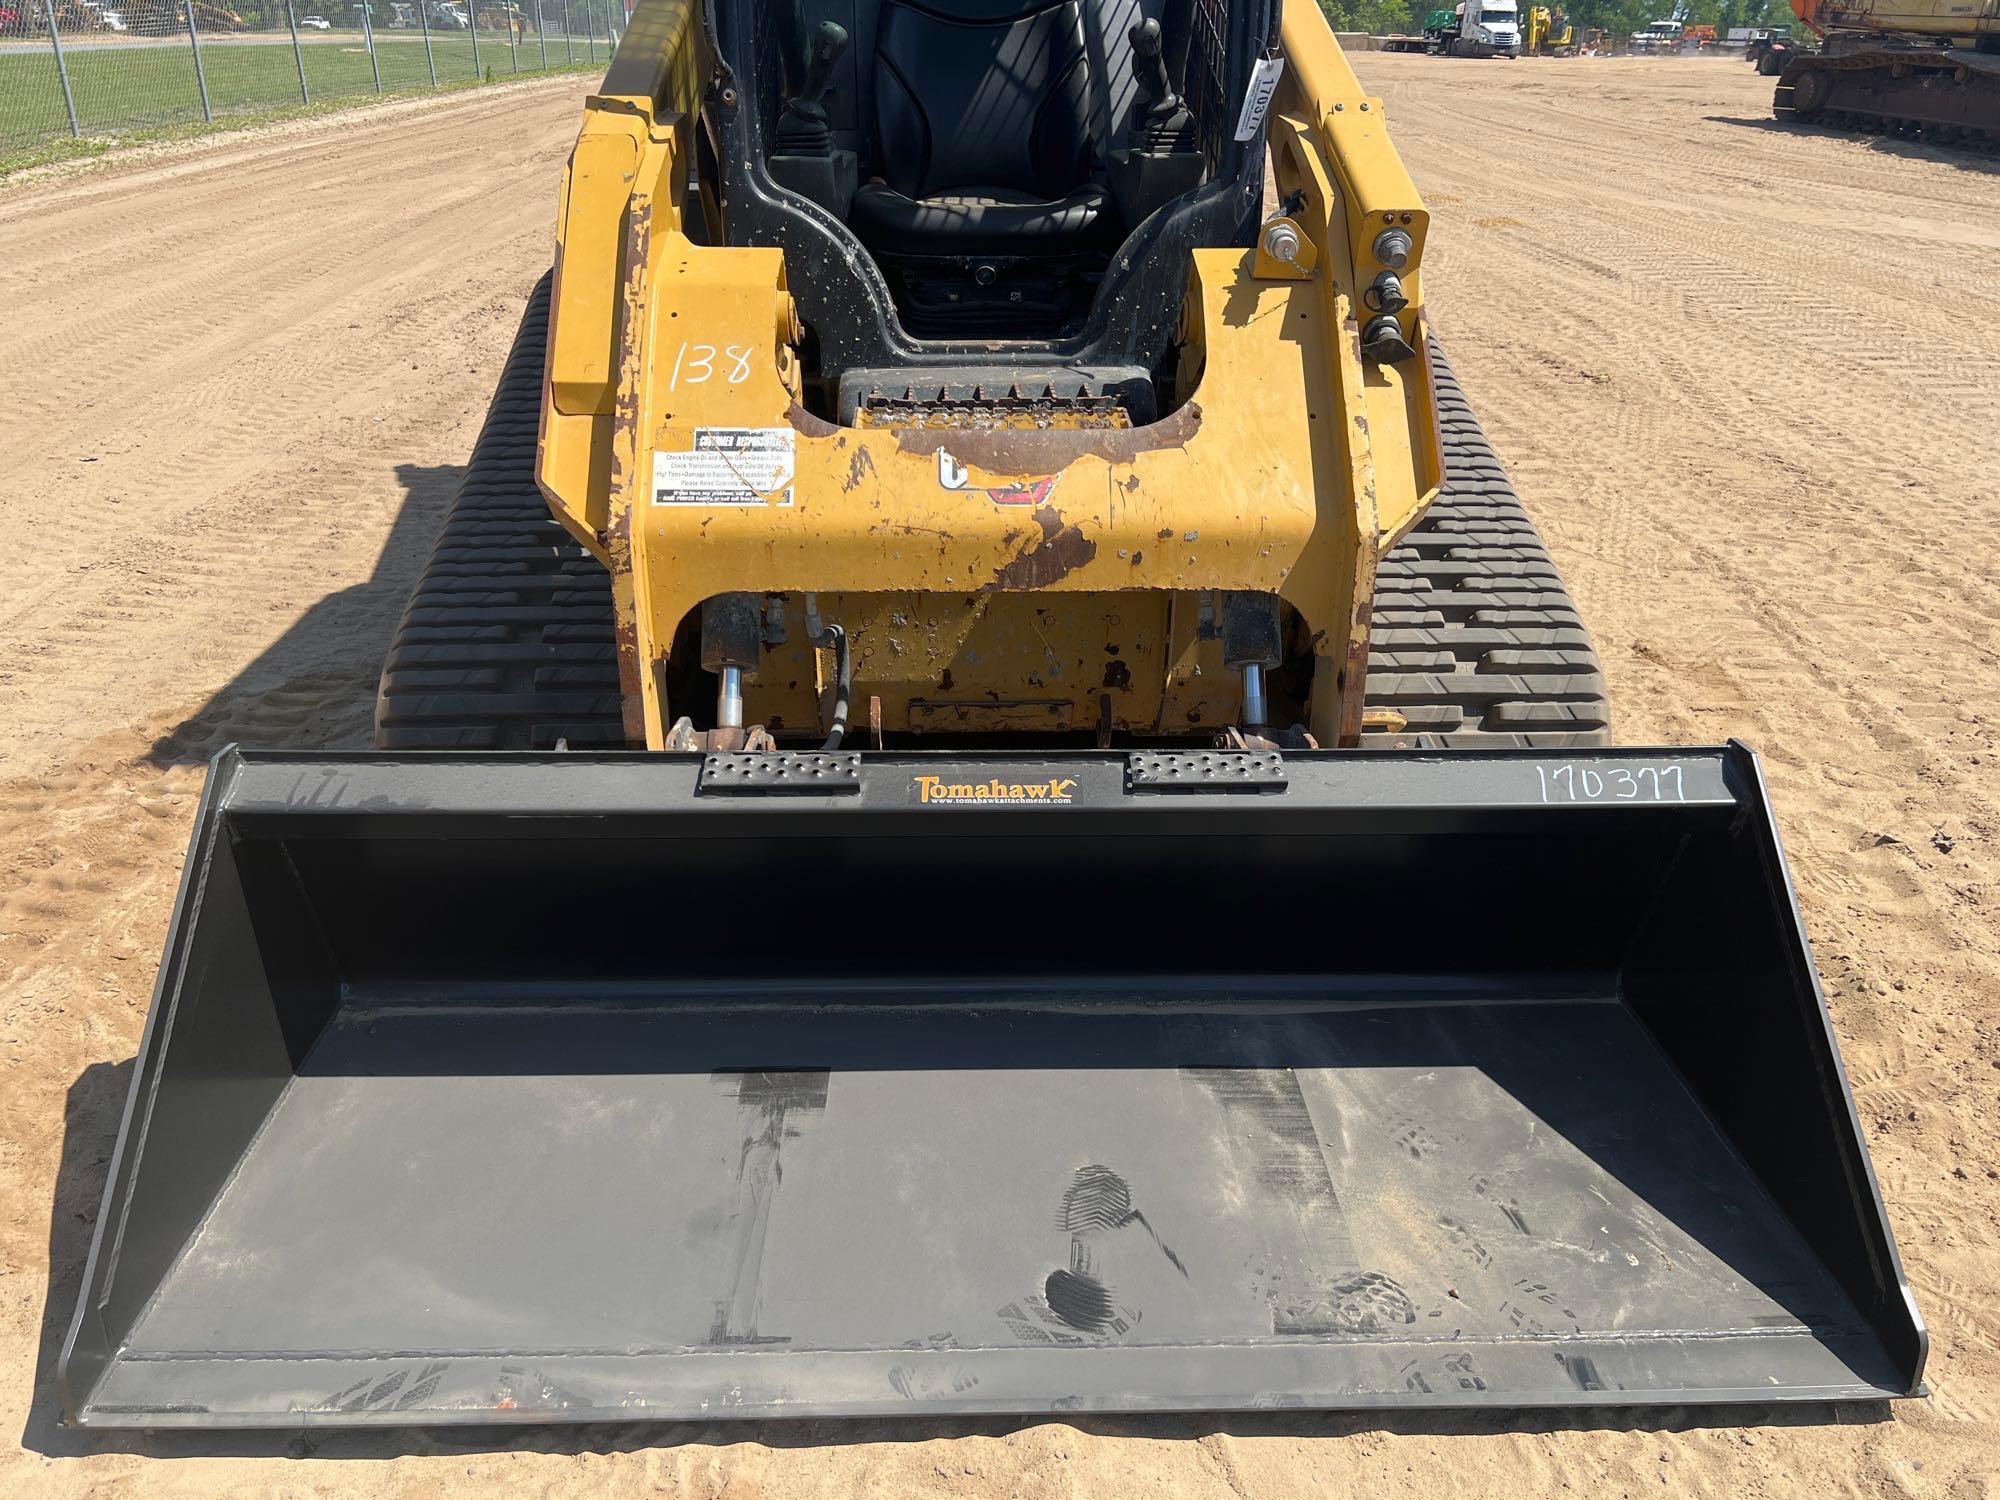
[697, 364]
[1575, 783]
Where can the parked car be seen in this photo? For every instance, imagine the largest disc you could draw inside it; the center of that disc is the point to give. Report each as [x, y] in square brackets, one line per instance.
[316, 23]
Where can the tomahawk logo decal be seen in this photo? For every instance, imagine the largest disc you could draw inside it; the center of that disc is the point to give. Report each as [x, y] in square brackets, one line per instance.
[953, 475]
[936, 791]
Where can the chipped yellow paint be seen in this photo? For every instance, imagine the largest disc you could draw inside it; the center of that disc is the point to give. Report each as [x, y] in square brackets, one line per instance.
[983, 662]
[992, 579]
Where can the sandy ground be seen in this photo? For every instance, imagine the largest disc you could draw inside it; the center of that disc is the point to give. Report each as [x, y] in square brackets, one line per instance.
[1748, 380]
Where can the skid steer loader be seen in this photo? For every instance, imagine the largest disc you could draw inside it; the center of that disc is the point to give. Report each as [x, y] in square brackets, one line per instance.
[989, 805]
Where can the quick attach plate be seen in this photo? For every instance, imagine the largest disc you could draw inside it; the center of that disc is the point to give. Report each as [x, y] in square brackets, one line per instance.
[780, 772]
[1204, 771]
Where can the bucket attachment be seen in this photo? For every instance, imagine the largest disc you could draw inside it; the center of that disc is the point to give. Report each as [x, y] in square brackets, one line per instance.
[578, 1087]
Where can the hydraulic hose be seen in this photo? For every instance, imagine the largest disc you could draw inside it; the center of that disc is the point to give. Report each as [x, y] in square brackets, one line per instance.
[843, 682]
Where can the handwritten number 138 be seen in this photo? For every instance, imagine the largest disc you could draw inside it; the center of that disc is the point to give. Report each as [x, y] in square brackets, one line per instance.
[695, 364]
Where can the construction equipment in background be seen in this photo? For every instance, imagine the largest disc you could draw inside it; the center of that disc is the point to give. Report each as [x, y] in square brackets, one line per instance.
[1909, 67]
[1547, 32]
[1659, 37]
[1656, 36]
[1769, 50]
[988, 804]
[211, 18]
[1485, 28]
[1669, 38]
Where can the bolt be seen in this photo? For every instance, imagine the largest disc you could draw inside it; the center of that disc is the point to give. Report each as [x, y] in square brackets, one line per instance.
[1393, 248]
[1281, 242]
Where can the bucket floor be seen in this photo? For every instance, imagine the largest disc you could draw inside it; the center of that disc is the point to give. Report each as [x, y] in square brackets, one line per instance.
[677, 1204]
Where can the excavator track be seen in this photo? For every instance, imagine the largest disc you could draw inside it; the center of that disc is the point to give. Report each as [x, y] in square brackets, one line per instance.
[507, 643]
[1948, 95]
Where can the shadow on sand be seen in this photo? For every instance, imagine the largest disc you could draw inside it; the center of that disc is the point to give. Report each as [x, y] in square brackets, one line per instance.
[1964, 158]
[314, 688]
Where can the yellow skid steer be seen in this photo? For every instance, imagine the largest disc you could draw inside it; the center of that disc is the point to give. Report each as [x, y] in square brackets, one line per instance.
[989, 804]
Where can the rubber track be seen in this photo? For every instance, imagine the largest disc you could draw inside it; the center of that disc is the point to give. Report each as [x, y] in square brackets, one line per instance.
[507, 644]
[1474, 640]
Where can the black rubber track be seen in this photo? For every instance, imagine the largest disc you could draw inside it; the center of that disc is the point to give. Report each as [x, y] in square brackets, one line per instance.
[507, 644]
[1474, 640]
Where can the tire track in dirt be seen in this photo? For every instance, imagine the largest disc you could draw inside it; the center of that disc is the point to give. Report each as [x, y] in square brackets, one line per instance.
[198, 426]
[276, 359]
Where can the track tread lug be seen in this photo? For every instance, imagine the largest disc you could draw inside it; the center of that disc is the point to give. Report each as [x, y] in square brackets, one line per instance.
[1474, 639]
[506, 643]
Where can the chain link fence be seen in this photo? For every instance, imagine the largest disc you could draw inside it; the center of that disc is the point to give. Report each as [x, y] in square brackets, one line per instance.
[103, 67]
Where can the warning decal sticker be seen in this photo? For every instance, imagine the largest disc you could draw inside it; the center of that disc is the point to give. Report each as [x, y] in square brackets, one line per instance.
[728, 466]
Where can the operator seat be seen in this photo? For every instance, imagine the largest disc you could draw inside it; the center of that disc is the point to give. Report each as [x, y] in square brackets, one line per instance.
[985, 137]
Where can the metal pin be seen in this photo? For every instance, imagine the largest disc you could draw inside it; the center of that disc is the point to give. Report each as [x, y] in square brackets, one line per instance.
[729, 701]
[1255, 711]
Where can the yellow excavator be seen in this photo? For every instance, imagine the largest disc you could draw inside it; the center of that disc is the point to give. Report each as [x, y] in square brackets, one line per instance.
[1547, 32]
[1925, 68]
[989, 803]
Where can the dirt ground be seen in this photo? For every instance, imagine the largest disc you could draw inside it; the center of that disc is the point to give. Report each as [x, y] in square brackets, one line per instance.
[1748, 379]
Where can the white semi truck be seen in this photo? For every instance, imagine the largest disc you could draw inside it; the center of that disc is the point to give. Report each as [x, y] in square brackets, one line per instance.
[1481, 28]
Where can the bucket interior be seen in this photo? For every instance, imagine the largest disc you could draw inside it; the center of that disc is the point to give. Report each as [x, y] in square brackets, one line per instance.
[845, 1115]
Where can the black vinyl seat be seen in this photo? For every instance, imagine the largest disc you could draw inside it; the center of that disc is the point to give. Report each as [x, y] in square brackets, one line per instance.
[984, 131]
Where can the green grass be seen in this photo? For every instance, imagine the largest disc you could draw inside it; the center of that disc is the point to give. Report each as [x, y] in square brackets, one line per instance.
[131, 91]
